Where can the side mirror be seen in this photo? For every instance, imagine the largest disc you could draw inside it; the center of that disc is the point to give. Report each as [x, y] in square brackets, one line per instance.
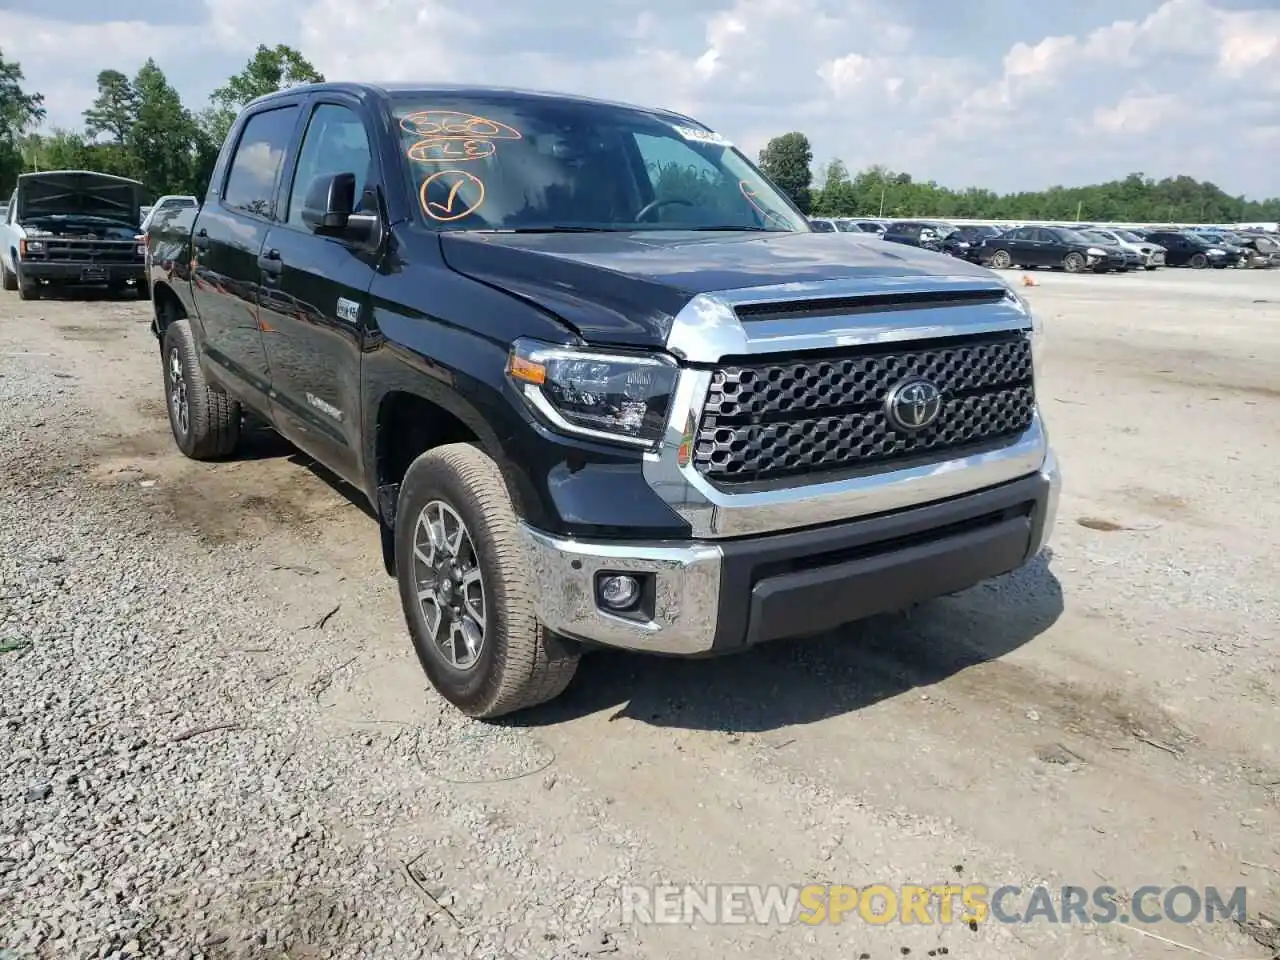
[327, 210]
[329, 200]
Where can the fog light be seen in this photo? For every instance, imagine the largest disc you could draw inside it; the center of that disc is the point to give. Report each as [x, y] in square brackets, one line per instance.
[619, 592]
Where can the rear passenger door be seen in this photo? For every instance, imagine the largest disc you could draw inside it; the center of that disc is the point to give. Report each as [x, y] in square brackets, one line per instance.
[315, 303]
[229, 234]
[1046, 248]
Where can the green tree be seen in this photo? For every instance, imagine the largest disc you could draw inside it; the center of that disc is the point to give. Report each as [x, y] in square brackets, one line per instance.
[837, 192]
[57, 150]
[19, 111]
[163, 139]
[268, 70]
[785, 160]
[115, 109]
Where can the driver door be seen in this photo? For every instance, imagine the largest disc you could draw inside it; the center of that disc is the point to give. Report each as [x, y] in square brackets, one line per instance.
[315, 294]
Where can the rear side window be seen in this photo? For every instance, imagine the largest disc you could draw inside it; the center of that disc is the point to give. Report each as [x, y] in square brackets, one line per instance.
[255, 168]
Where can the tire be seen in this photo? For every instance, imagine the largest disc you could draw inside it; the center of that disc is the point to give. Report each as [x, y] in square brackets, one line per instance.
[7, 280]
[1074, 263]
[143, 289]
[1001, 260]
[205, 421]
[1199, 261]
[1151, 266]
[519, 663]
[27, 289]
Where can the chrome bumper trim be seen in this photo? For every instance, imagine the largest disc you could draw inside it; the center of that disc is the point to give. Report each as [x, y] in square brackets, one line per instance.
[687, 577]
[1053, 474]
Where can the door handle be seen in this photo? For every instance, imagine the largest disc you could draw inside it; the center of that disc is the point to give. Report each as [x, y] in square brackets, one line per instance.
[270, 262]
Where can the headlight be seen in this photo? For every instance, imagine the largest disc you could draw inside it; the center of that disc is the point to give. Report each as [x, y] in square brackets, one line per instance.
[1096, 252]
[1216, 252]
[609, 396]
[34, 246]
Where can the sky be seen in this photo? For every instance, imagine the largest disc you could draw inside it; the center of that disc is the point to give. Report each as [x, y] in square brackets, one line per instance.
[1005, 94]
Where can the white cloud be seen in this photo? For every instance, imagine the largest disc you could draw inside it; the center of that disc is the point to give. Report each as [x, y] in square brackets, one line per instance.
[867, 80]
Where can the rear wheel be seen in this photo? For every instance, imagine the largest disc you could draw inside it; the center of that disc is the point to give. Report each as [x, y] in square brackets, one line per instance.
[1074, 263]
[464, 587]
[1001, 260]
[205, 421]
[1199, 261]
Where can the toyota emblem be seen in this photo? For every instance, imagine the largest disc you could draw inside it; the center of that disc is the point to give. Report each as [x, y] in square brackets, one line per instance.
[913, 404]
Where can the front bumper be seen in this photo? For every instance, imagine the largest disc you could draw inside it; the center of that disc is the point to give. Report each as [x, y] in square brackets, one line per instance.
[709, 597]
[64, 271]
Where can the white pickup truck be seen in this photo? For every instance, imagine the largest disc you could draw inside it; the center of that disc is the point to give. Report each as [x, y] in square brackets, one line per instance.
[73, 227]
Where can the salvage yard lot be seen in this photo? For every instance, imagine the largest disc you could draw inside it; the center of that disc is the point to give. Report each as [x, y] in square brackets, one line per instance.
[216, 738]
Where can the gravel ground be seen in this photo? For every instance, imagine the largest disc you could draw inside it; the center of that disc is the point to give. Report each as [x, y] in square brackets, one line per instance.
[217, 743]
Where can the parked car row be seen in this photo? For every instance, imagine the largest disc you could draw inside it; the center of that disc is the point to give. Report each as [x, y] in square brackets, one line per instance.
[1074, 248]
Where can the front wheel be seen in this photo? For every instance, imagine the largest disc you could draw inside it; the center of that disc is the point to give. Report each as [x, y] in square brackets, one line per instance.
[1199, 261]
[7, 279]
[1001, 260]
[1073, 263]
[1151, 266]
[464, 587]
[27, 289]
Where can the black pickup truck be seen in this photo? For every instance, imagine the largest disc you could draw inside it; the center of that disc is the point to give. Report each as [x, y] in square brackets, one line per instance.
[599, 380]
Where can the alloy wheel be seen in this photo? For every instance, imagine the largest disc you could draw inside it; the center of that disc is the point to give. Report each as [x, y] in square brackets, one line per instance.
[450, 586]
[178, 393]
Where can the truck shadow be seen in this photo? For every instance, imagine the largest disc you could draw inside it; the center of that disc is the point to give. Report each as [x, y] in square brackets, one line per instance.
[809, 679]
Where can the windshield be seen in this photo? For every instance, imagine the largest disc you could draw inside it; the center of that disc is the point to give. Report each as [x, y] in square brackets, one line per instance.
[532, 163]
[1097, 236]
[822, 226]
[844, 226]
[1128, 237]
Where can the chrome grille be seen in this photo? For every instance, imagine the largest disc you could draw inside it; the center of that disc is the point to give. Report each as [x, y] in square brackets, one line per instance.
[89, 251]
[827, 413]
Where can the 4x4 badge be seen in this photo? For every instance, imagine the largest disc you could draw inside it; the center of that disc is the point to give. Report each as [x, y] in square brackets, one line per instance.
[348, 310]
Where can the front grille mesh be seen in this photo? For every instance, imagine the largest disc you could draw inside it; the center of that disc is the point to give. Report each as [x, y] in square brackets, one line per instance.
[769, 420]
[90, 251]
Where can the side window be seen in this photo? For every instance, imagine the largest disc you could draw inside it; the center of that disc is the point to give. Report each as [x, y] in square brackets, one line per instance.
[335, 142]
[255, 168]
[678, 173]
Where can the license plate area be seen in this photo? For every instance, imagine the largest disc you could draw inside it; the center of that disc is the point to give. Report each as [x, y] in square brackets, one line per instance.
[89, 274]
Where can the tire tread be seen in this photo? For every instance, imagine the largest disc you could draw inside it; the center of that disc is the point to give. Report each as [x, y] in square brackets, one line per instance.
[530, 667]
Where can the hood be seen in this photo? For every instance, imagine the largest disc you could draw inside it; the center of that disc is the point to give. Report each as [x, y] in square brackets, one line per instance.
[625, 288]
[71, 192]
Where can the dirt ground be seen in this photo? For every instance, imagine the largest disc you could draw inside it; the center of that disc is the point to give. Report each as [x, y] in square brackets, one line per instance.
[1108, 716]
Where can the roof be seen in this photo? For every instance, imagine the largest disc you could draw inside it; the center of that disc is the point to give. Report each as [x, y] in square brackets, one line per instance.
[389, 90]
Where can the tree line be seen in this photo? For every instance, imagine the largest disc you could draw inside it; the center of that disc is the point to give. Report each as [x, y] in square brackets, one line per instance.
[877, 191]
[138, 127]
